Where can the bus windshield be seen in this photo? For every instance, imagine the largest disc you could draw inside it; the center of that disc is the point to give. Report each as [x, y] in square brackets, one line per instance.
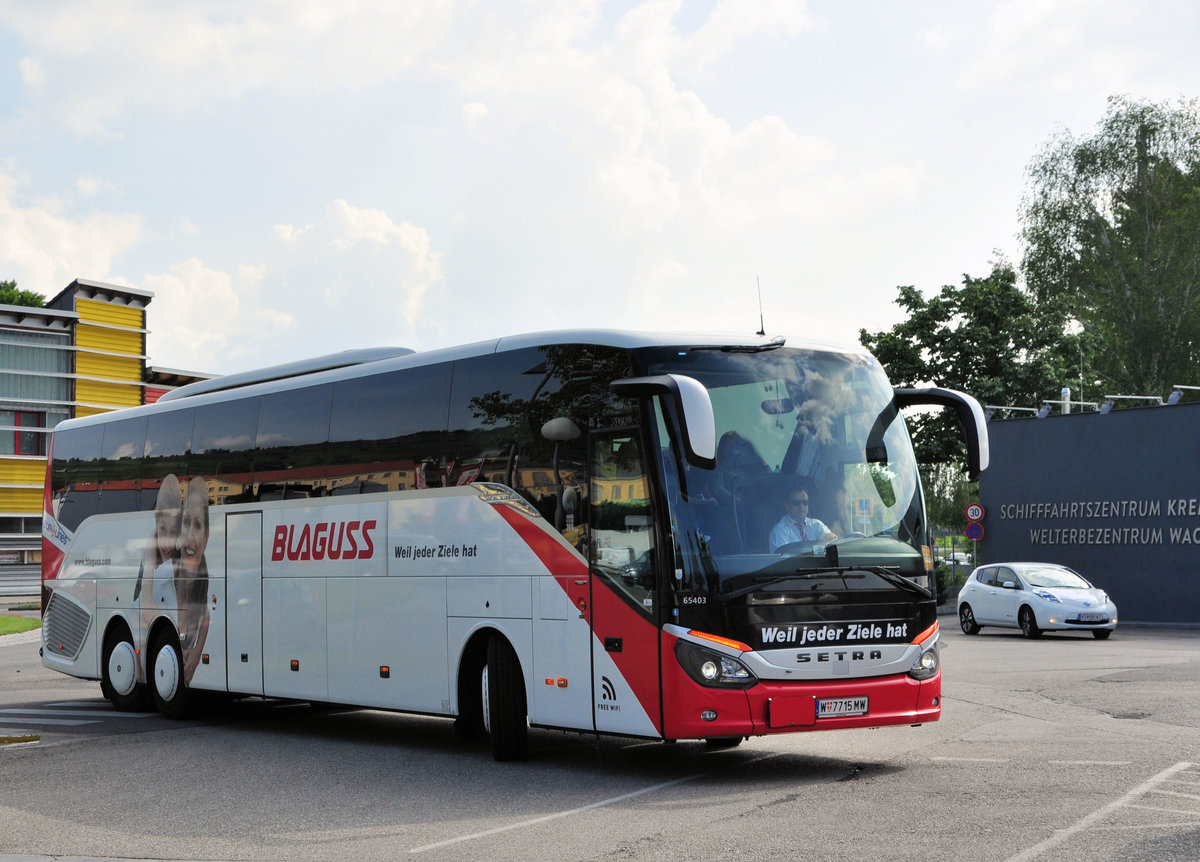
[814, 472]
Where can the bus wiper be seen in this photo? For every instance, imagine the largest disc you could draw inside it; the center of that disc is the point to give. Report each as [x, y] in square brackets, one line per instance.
[891, 577]
[899, 580]
[762, 582]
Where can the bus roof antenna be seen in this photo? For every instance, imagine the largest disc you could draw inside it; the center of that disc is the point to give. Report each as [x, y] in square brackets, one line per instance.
[762, 327]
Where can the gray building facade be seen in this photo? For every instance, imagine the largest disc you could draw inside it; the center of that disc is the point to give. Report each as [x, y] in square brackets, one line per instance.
[1114, 496]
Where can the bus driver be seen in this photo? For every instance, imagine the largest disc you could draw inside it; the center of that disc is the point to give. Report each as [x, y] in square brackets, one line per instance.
[795, 527]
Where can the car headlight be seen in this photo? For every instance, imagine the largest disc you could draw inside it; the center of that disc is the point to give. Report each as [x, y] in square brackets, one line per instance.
[925, 666]
[1048, 596]
[710, 668]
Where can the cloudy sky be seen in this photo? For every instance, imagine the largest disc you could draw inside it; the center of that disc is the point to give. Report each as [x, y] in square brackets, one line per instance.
[297, 177]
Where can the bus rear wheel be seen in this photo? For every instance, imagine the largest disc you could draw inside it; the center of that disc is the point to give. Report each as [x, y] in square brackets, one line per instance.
[119, 673]
[504, 704]
[170, 691]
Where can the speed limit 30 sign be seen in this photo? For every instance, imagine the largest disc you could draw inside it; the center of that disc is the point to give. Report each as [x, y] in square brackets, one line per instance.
[974, 512]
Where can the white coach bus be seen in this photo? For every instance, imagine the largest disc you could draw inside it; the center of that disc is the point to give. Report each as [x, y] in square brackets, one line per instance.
[575, 530]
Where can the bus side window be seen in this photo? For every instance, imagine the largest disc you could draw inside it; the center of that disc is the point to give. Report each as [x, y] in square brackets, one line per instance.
[75, 482]
[121, 464]
[168, 440]
[622, 528]
[499, 407]
[223, 449]
[292, 443]
[385, 431]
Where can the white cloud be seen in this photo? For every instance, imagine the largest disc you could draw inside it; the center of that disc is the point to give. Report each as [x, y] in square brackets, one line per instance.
[45, 249]
[194, 314]
[348, 241]
[90, 186]
[453, 170]
[175, 56]
[355, 277]
[474, 112]
[32, 72]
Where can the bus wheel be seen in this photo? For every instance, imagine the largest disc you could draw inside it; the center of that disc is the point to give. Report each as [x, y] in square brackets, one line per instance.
[169, 689]
[716, 743]
[469, 724]
[119, 673]
[504, 702]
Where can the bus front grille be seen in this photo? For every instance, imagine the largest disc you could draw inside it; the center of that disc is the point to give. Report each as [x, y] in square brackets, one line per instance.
[65, 626]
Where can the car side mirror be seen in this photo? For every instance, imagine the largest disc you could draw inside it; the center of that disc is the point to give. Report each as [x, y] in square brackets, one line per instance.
[1010, 585]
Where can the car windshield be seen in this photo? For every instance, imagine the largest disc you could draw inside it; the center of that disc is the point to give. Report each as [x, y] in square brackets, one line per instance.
[812, 427]
[1053, 576]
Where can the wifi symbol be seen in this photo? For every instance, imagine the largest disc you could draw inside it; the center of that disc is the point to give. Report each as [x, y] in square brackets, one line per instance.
[607, 689]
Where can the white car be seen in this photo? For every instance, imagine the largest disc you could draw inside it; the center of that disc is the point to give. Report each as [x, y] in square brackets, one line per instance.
[1034, 597]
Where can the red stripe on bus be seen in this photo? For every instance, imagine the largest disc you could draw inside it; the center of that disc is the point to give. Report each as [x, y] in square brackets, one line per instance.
[556, 557]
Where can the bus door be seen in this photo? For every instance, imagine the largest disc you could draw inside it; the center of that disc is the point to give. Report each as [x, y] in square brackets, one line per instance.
[625, 645]
[243, 602]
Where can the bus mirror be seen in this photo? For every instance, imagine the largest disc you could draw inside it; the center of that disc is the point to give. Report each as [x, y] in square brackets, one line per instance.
[969, 413]
[698, 425]
[560, 430]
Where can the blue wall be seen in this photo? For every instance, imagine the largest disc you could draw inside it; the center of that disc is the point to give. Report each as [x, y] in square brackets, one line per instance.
[1115, 497]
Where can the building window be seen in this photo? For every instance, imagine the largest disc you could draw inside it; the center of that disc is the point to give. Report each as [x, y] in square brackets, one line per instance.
[22, 432]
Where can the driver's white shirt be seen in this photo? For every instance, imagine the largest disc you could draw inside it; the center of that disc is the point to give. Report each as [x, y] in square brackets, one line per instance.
[788, 531]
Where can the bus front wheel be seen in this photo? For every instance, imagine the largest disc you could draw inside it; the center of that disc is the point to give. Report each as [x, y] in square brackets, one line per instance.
[168, 686]
[504, 704]
[469, 723]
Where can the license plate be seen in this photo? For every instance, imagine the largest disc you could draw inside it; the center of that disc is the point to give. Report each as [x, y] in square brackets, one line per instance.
[1091, 618]
[831, 707]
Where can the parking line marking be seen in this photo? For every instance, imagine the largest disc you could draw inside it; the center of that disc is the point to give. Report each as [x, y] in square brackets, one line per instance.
[1176, 793]
[971, 759]
[86, 703]
[558, 814]
[1163, 810]
[98, 713]
[1147, 786]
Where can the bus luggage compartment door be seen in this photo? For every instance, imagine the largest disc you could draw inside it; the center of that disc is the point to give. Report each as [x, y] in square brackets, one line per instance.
[243, 602]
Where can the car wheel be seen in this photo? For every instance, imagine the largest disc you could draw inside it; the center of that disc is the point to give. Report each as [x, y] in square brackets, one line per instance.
[966, 619]
[1101, 634]
[1028, 621]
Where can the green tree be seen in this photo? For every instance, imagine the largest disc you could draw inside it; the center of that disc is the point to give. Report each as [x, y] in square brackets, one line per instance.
[988, 338]
[10, 295]
[1111, 225]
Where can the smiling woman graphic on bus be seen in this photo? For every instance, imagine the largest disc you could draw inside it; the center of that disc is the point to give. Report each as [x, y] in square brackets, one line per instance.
[191, 576]
[156, 577]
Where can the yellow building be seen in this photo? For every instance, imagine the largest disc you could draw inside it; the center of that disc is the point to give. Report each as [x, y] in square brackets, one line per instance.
[84, 352]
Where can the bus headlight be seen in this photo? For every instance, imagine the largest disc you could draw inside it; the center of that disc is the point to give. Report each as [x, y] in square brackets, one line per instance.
[712, 669]
[925, 666]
